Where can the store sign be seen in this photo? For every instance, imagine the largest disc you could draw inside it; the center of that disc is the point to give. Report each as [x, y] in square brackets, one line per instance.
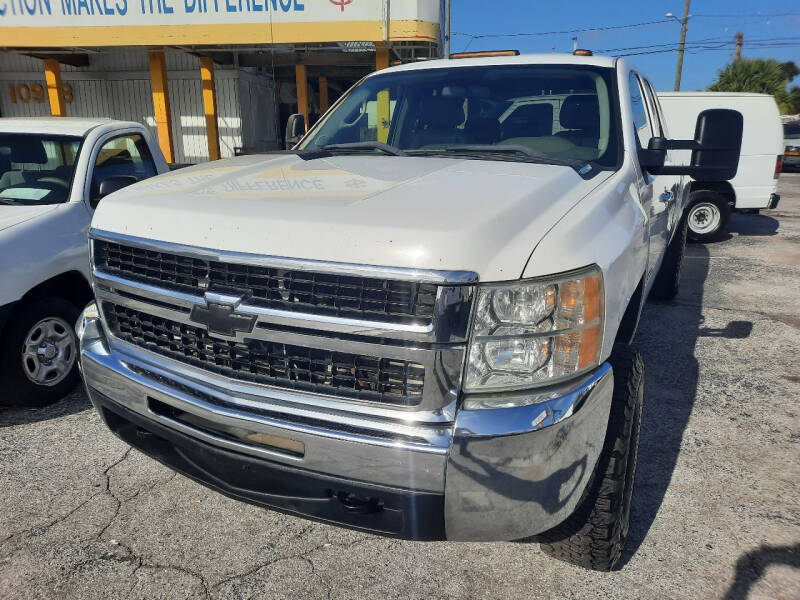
[35, 13]
[30, 23]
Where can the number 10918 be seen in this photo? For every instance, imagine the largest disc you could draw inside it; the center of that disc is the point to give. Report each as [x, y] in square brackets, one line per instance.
[35, 92]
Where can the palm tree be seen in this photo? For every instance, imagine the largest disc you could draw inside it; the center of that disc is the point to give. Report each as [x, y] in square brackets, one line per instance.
[758, 76]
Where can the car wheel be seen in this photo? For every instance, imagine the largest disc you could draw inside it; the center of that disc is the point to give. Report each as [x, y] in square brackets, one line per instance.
[708, 216]
[668, 279]
[594, 536]
[40, 351]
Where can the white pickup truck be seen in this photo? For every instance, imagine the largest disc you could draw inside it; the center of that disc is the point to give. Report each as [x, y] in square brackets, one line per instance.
[417, 322]
[53, 172]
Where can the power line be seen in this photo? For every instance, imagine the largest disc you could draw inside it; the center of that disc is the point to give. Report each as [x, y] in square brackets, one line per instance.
[727, 46]
[704, 40]
[746, 16]
[539, 33]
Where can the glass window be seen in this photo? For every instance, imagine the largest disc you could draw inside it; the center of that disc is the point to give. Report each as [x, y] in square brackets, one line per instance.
[791, 130]
[560, 111]
[36, 169]
[640, 119]
[127, 155]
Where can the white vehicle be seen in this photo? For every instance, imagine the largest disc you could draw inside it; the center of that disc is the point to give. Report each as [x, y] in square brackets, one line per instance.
[52, 174]
[791, 142]
[416, 323]
[756, 182]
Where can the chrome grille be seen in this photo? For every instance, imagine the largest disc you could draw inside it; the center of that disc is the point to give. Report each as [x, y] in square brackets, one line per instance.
[370, 378]
[308, 292]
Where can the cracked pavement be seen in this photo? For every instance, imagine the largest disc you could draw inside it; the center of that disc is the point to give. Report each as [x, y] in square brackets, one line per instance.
[716, 510]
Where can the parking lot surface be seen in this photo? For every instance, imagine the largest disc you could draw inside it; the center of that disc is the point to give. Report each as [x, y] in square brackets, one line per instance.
[716, 510]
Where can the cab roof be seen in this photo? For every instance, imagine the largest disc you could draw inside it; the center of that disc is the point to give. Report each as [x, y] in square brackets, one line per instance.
[522, 59]
[53, 125]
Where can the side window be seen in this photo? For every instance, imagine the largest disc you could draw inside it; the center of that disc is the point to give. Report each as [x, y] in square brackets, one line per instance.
[640, 118]
[126, 155]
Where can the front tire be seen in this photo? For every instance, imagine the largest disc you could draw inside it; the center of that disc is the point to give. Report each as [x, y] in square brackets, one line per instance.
[594, 536]
[39, 353]
[708, 216]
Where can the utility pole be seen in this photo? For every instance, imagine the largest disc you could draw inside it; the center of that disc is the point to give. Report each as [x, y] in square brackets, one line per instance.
[739, 37]
[682, 46]
[447, 30]
[574, 43]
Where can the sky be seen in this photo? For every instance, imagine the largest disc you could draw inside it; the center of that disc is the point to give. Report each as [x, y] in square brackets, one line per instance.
[771, 30]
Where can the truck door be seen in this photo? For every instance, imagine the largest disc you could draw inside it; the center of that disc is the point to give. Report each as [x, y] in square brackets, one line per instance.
[655, 192]
[672, 183]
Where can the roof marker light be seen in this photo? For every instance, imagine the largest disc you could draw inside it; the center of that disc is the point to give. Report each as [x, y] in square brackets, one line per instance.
[484, 53]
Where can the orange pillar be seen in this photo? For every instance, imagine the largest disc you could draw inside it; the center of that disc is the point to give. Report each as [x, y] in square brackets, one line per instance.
[302, 91]
[381, 58]
[210, 106]
[158, 81]
[384, 111]
[52, 76]
[324, 102]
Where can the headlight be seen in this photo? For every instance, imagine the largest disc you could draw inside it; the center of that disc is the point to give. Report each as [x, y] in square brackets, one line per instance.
[88, 328]
[535, 332]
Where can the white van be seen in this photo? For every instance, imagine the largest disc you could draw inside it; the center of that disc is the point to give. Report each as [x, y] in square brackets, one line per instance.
[756, 181]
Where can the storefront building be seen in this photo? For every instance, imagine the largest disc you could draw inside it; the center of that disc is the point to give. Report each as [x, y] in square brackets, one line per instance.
[210, 78]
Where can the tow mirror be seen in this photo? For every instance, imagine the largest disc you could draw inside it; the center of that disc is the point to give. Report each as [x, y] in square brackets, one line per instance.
[295, 130]
[111, 184]
[715, 148]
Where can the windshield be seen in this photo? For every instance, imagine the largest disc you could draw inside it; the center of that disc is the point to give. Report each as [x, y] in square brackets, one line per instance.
[35, 168]
[562, 112]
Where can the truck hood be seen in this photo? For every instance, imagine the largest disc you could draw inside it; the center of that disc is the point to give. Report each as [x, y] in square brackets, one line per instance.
[14, 215]
[431, 213]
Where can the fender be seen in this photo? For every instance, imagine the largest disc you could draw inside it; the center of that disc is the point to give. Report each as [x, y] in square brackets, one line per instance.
[607, 228]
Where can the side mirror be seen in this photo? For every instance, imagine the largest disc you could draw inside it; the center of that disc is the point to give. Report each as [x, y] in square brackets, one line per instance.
[715, 148]
[111, 184]
[295, 130]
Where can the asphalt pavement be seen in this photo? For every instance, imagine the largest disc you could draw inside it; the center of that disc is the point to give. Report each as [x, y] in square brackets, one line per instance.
[716, 512]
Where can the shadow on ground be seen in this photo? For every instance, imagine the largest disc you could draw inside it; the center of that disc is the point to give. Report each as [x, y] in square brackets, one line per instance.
[753, 224]
[752, 566]
[667, 337]
[75, 402]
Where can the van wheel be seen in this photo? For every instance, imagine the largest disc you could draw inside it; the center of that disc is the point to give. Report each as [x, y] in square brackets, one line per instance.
[708, 216]
[39, 353]
[668, 279]
[594, 536]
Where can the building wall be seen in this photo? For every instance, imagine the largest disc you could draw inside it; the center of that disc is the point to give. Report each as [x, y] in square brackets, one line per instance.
[116, 84]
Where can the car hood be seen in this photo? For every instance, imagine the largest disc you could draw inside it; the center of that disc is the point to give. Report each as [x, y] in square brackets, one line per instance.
[427, 213]
[14, 215]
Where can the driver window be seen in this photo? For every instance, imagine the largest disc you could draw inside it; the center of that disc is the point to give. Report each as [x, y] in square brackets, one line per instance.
[126, 155]
[644, 130]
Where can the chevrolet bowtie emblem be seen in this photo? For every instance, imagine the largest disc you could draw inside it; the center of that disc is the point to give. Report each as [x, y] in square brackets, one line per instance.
[220, 317]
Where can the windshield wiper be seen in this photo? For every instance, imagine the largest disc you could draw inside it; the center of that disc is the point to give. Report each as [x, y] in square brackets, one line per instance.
[510, 149]
[366, 146]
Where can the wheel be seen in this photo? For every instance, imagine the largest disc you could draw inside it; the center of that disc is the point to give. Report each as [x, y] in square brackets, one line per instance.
[708, 216]
[594, 535]
[39, 359]
[668, 279]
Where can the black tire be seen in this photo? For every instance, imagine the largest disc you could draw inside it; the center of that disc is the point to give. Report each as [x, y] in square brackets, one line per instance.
[594, 536]
[668, 279]
[17, 388]
[712, 200]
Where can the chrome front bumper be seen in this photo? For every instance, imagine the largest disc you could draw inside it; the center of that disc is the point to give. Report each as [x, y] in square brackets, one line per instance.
[491, 474]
